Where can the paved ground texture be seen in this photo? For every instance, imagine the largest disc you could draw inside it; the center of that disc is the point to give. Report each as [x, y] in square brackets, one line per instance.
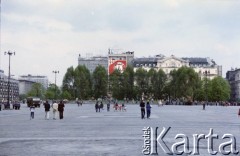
[85, 132]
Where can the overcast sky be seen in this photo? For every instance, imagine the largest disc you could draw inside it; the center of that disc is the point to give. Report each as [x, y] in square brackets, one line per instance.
[48, 35]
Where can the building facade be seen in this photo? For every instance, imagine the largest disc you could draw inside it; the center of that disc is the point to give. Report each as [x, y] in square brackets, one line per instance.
[233, 78]
[167, 64]
[114, 60]
[13, 89]
[43, 80]
[92, 62]
[25, 86]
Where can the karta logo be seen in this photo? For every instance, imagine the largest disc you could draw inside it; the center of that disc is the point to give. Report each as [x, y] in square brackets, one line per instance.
[153, 140]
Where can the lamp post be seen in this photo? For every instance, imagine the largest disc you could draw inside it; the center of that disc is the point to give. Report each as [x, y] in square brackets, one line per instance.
[55, 72]
[9, 53]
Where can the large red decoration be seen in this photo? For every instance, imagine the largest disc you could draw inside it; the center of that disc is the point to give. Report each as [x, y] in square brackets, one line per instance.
[117, 65]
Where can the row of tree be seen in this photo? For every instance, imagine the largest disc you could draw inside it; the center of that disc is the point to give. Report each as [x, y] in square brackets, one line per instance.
[183, 83]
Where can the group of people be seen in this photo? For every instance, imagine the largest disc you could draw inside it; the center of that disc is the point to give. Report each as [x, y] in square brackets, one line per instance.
[118, 107]
[146, 107]
[56, 107]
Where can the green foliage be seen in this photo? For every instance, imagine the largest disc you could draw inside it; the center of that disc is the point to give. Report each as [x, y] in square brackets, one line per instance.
[69, 82]
[53, 92]
[82, 82]
[158, 84]
[128, 82]
[141, 79]
[100, 82]
[183, 83]
[122, 84]
[220, 89]
[37, 90]
[116, 84]
[66, 95]
[77, 83]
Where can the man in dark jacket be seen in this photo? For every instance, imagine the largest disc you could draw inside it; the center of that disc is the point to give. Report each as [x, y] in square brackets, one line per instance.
[96, 106]
[142, 105]
[61, 109]
[47, 109]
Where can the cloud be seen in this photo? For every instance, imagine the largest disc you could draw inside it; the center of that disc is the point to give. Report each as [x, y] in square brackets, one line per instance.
[49, 35]
[37, 22]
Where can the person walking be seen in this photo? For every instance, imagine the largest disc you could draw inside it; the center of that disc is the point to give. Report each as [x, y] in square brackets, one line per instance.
[47, 109]
[148, 108]
[101, 105]
[108, 106]
[204, 105]
[142, 106]
[96, 106]
[61, 109]
[32, 109]
[55, 109]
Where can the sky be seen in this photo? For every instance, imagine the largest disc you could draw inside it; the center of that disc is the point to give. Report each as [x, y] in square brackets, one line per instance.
[49, 35]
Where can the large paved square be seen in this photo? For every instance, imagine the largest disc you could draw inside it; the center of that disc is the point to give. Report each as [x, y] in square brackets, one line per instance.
[85, 132]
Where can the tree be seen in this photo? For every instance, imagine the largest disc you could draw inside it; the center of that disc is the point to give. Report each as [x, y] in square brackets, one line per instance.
[116, 84]
[66, 95]
[82, 82]
[51, 91]
[68, 84]
[37, 90]
[100, 82]
[159, 82]
[184, 83]
[141, 78]
[152, 77]
[128, 82]
[220, 89]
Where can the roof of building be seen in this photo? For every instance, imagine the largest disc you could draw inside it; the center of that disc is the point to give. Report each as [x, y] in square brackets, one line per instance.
[149, 60]
[23, 80]
[32, 76]
[196, 60]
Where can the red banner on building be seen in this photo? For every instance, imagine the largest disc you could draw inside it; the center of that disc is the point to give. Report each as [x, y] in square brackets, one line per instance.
[117, 65]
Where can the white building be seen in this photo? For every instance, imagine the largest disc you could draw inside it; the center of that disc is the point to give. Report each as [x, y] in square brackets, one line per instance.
[36, 78]
[92, 62]
[167, 64]
[25, 86]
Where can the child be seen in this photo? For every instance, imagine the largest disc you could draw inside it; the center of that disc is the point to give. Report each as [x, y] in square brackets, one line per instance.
[32, 108]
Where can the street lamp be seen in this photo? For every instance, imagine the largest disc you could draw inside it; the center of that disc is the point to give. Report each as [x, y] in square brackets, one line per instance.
[55, 72]
[9, 53]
